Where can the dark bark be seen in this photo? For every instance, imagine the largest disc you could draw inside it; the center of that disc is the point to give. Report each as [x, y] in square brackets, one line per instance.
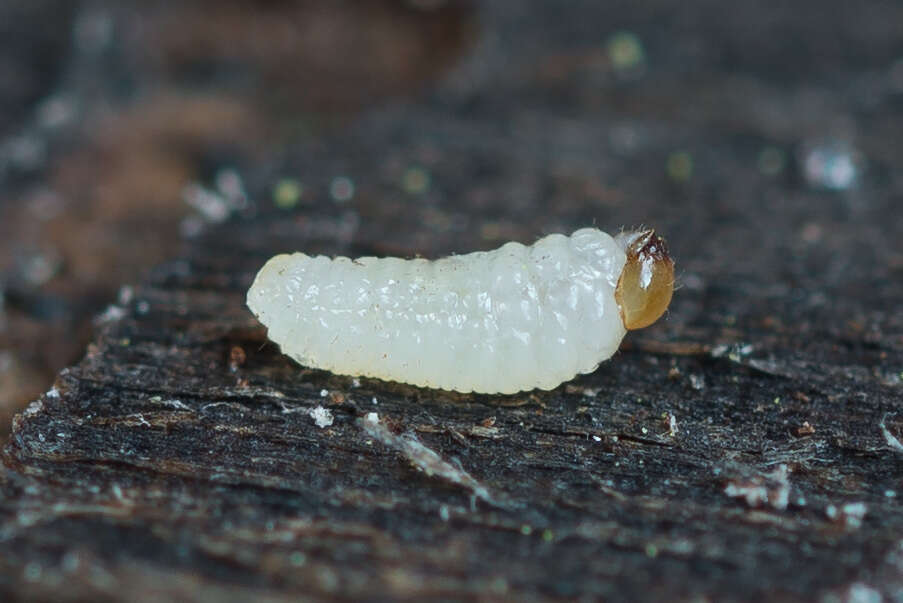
[743, 448]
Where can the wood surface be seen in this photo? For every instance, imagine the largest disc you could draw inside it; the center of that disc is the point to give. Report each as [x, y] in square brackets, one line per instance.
[746, 447]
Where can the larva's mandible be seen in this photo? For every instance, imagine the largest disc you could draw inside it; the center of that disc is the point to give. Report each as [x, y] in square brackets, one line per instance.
[513, 319]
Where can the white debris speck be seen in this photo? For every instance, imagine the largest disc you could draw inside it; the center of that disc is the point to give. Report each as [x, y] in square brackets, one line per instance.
[355, 382]
[892, 442]
[140, 419]
[429, 461]
[177, 404]
[126, 294]
[56, 111]
[53, 393]
[597, 438]
[772, 489]
[850, 514]
[862, 593]
[735, 352]
[322, 417]
[831, 165]
[372, 417]
[374, 400]
[34, 408]
[38, 268]
[111, 314]
[324, 393]
[229, 184]
[697, 382]
[855, 511]
[672, 424]
[212, 206]
[341, 189]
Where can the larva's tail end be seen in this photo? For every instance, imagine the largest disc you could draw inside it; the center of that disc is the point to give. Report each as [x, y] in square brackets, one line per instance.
[266, 283]
[646, 283]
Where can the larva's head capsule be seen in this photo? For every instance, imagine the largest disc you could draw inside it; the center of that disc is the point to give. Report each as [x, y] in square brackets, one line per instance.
[647, 280]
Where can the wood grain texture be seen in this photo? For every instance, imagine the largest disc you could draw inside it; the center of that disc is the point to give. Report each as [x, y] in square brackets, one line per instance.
[178, 459]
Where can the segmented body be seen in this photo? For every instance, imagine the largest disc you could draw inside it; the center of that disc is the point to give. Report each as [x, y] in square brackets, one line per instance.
[508, 320]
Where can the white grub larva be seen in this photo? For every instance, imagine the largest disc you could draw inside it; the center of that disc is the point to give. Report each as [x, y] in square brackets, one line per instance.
[502, 321]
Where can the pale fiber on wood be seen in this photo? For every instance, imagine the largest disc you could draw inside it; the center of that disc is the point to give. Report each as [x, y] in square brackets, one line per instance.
[503, 321]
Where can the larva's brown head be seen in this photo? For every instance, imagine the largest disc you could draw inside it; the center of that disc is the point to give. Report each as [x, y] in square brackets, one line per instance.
[647, 280]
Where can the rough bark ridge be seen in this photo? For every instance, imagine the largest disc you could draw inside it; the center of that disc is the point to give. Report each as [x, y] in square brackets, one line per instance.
[748, 445]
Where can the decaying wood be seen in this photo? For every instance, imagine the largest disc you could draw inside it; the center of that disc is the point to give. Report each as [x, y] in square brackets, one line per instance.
[745, 447]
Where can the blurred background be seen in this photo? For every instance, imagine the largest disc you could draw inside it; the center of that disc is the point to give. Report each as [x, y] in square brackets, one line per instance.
[129, 128]
[126, 127]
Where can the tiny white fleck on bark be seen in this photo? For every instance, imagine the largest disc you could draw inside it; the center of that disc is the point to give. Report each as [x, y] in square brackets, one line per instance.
[322, 417]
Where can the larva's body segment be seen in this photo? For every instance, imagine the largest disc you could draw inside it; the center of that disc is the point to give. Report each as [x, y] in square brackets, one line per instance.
[502, 321]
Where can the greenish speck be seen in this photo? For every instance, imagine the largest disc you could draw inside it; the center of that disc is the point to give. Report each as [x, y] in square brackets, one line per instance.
[415, 180]
[548, 535]
[625, 51]
[679, 166]
[287, 193]
[297, 558]
[651, 550]
[526, 530]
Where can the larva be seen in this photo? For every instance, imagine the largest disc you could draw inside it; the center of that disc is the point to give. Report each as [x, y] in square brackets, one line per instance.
[508, 320]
